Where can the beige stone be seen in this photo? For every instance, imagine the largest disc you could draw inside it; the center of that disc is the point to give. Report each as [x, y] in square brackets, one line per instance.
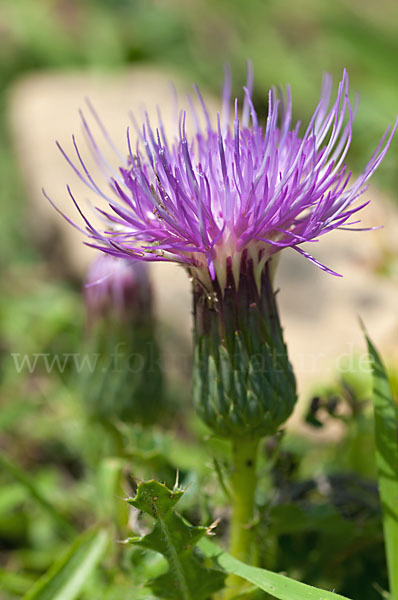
[319, 312]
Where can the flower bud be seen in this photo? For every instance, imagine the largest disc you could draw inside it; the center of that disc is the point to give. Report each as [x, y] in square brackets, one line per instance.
[127, 382]
[118, 289]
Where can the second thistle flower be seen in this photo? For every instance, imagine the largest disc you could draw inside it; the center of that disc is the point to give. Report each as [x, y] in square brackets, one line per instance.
[127, 383]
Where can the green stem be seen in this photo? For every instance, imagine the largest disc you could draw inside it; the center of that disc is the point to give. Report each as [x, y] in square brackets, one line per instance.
[243, 488]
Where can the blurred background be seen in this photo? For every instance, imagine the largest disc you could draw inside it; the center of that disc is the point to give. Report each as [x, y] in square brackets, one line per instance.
[48, 48]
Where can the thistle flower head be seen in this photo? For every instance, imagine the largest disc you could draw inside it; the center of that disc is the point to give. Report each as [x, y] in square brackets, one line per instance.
[127, 383]
[237, 187]
[118, 288]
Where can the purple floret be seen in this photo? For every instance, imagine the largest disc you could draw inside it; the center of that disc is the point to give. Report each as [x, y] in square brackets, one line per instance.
[230, 189]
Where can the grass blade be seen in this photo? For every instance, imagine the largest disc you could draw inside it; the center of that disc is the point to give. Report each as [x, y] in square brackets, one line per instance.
[278, 586]
[67, 577]
[386, 435]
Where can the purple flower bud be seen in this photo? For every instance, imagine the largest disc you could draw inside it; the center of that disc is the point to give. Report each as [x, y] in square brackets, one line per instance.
[127, 383]
[118, 288]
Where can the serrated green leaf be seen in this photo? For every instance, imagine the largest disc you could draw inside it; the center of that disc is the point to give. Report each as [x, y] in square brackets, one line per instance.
[278, 586]
[155, 498]
[66, 578]
[386, 435]
[187, 577]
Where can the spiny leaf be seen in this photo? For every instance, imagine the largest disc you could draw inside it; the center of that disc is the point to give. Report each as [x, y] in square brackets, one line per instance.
[187, 578]
[386, 435]
[155, 499]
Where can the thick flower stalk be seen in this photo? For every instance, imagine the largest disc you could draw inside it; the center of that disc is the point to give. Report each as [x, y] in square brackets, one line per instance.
[223, 202]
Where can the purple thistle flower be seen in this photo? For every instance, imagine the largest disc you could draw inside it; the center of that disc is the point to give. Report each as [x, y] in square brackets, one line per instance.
[235, 189]
[127, 382]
